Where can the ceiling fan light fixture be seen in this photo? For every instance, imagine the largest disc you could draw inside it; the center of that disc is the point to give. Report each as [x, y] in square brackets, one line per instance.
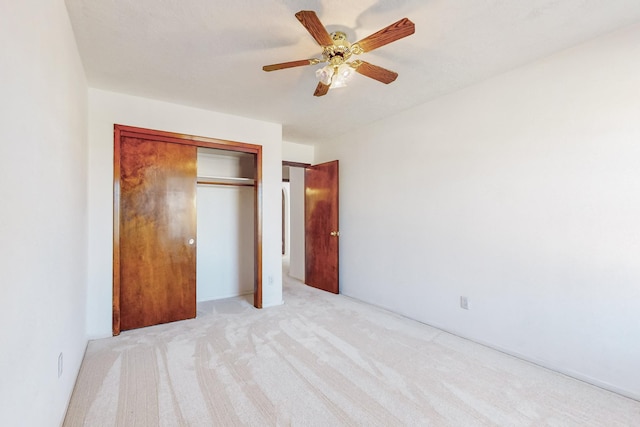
[342, 76]
[325, 74]
[335, 76]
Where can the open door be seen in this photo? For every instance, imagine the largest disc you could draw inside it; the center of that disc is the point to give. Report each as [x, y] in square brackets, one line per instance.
[321, 226]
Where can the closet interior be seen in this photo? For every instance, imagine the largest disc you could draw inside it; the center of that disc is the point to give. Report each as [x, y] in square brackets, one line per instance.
[225, 225]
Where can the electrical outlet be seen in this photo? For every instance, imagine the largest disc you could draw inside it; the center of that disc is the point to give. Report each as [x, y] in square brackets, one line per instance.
[464, 303]
[60, 361]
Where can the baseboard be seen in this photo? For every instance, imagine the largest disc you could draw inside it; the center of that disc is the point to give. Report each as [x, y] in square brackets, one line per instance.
[99, 336]
[544, 364]
[219, 297]
[275, 304]
[568, 372]
[631, 394]
[75, 380]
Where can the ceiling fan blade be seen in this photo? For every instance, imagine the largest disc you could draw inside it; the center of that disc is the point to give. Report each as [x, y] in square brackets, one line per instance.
[393, 32]
[377, 73]
[312, 23]
[321, 89]
[291, 64]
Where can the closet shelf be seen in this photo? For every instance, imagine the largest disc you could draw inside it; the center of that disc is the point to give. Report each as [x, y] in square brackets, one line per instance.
[225, 180]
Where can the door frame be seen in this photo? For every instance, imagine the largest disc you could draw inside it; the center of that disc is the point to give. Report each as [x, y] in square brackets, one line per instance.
[198, 141]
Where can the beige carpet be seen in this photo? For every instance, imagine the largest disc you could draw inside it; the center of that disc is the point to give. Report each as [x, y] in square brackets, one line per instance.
[322, 360]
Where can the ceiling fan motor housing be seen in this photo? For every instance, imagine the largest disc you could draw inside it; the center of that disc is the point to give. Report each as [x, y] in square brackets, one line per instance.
[340, 51]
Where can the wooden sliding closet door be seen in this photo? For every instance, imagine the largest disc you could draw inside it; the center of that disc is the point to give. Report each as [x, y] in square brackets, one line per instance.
[157, 232]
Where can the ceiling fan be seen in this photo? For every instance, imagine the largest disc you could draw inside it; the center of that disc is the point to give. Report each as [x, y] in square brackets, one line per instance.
[336, 52]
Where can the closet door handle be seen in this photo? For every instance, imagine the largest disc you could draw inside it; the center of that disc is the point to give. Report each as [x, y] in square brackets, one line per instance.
[192, 241]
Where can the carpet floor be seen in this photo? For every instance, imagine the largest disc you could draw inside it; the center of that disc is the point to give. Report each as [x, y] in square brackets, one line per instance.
[322, 360]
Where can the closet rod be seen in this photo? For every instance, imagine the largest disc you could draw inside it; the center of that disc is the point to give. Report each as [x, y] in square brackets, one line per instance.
[233, 184]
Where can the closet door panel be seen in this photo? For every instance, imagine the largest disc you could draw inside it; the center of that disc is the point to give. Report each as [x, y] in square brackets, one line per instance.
[157, 232]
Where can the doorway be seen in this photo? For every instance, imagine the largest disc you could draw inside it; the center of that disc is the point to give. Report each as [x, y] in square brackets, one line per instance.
[137, 168]
[293, 185]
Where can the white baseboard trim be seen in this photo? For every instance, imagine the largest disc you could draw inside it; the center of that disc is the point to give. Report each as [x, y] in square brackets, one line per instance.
[631, 394]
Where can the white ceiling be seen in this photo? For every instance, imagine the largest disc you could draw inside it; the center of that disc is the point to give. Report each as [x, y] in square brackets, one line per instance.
[210, 53]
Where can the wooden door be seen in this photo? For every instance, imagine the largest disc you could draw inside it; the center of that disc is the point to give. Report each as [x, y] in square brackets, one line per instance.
[157, 232]
[321, 226]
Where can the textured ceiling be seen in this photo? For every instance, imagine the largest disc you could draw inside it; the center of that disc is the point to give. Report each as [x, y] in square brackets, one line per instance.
[210, 53]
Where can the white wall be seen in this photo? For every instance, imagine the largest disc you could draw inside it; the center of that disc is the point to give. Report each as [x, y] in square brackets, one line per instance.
[296, 223]
[225, 242]
[225, 164]
[521, 193]
[294, 152]
[286, 201]
[43, 219]
[107, 108]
